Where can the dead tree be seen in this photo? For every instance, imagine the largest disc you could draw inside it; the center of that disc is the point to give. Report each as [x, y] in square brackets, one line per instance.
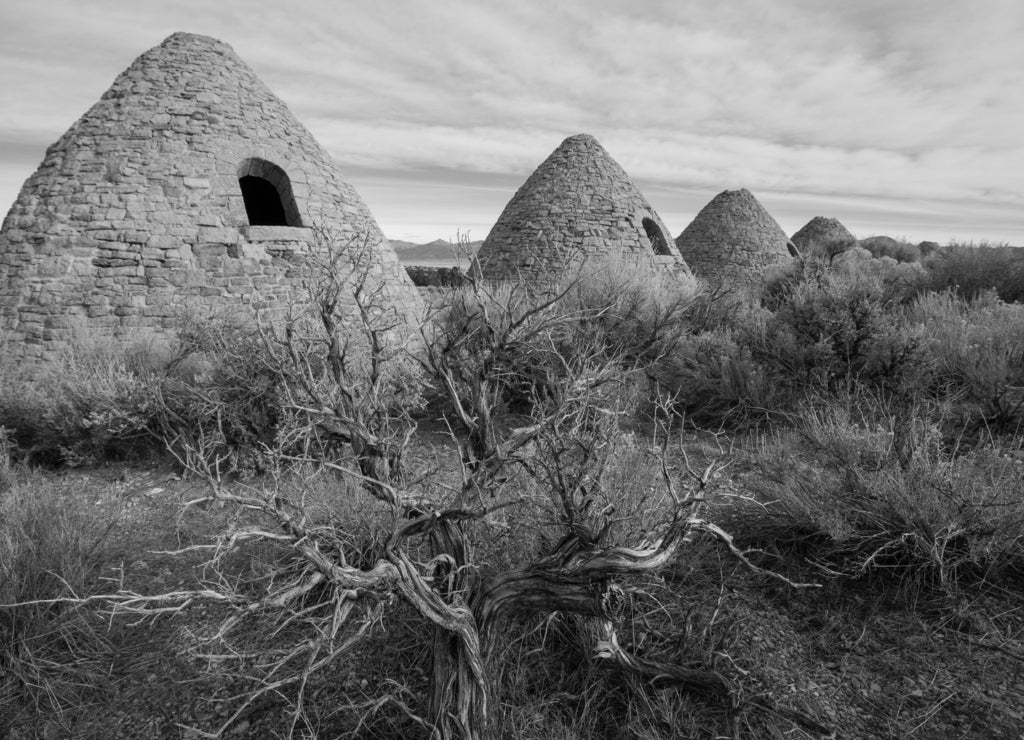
[338, 357]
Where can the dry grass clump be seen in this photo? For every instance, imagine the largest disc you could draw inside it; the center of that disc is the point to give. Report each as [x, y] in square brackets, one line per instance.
[54, 658]
[7, 463]
[862, 493]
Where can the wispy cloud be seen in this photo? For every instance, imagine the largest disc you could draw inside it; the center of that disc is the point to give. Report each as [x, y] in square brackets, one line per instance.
[843, 105]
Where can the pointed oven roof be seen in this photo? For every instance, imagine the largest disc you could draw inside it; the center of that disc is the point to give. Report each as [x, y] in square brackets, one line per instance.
[733, 240]
[822, 231]
[578, 206]
[141, 209]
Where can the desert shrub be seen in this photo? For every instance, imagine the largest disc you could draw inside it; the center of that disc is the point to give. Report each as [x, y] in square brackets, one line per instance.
[826, 250]
[715, 381]
[22, 401]
[97, 401]
[822, 327]
[219, 387]
[782, 281]
[885, 246]
[470, 326]
[636, 317]
[841, 486]
[239, 387]
[720, 308]
[892, 281]
[93, 403]
[834, 327]
[100, 407]
[975, 350]
[970, 270]
[531, 341]
[900, 281]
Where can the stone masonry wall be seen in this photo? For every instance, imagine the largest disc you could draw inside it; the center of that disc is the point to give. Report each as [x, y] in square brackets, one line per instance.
[136, 214]
[733, 241]
[578, 206]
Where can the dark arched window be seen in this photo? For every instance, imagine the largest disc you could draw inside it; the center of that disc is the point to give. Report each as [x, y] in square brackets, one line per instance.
[262, 202]
[657, 237]
[267, 193]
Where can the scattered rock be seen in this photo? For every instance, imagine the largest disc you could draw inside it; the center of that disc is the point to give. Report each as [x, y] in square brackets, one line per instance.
[240, 727]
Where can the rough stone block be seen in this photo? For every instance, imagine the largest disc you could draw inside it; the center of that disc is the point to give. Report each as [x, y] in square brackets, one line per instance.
[218, 235]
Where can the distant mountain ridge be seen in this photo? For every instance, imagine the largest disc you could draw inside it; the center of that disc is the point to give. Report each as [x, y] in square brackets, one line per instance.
[439, 250]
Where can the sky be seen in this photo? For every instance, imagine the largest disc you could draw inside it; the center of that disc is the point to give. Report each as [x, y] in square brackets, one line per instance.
[898, 117]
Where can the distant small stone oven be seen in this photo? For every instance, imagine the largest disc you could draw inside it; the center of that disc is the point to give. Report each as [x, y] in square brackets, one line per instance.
[822, 231]
[579, 205]
[188, 185]
[733, 240]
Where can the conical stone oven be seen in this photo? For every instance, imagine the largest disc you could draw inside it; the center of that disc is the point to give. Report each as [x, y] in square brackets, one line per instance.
[733, 241]
[188, 185]
[578, 207]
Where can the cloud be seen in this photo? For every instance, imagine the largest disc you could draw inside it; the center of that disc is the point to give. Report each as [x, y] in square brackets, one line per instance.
[872, 101]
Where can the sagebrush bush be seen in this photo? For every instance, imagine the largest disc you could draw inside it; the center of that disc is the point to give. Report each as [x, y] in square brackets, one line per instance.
[781, 281]
[975, 354]
[899, 281]
[721, 308]
[827, 250]
[219, 385]
[840, 486]
[885, 246]
[821, 326]
[636, 317]
[836, 327]
[603, 315]
[971, 270]
[239, 388]
[714, 380]
[100, 406]
[91, 404]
